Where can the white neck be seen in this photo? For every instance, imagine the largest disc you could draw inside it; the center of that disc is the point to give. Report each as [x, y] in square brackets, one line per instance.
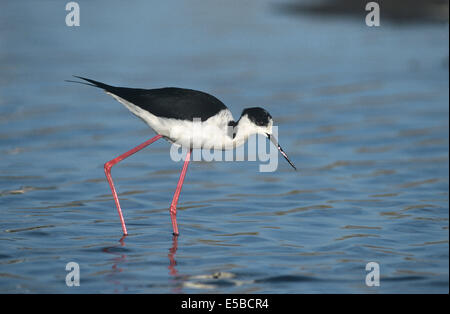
[243, 130]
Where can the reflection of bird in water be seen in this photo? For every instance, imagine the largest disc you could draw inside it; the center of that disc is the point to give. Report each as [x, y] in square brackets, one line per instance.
[117, 260]
[122, 258]
[177, 281]
[172, 114]
[172, 263]
[172, 252]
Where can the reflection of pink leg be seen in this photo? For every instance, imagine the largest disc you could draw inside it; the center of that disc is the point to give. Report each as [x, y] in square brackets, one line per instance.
[173, 206]
[172, 252]
[111, 163]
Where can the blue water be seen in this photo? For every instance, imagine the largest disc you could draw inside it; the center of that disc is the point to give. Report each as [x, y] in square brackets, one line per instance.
[362, 112]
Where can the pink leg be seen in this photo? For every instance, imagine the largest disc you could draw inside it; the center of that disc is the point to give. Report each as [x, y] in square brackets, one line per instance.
[173, 206]
[111, 163]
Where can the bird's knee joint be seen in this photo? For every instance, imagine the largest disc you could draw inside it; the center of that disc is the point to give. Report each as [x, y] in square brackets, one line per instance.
[108, 166]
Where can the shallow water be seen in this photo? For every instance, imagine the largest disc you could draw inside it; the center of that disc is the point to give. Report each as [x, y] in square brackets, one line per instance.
[363, 113]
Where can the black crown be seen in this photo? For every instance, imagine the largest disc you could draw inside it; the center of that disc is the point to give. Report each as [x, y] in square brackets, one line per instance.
[257, 115]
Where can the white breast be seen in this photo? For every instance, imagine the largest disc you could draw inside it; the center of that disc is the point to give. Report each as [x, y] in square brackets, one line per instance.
[212, 133]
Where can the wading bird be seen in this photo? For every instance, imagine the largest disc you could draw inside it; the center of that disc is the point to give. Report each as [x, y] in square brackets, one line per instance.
[171, 112]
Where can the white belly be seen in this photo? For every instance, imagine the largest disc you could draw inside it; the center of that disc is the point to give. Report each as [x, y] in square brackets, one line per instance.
[212, 133]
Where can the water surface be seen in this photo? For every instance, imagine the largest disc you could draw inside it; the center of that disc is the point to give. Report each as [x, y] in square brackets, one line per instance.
[362, 112]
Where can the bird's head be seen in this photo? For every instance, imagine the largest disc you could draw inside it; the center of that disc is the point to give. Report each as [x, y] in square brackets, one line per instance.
[257, 120]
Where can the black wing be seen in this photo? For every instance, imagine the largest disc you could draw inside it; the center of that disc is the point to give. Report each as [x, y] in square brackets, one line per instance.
[169, 102]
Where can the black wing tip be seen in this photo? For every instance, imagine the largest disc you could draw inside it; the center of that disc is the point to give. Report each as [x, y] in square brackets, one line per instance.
[90, 82]
[78, 82]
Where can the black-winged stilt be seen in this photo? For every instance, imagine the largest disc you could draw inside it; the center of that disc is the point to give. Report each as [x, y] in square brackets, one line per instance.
[171, 112]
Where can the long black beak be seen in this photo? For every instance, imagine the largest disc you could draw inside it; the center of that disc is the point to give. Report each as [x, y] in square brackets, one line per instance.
[274, 141]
